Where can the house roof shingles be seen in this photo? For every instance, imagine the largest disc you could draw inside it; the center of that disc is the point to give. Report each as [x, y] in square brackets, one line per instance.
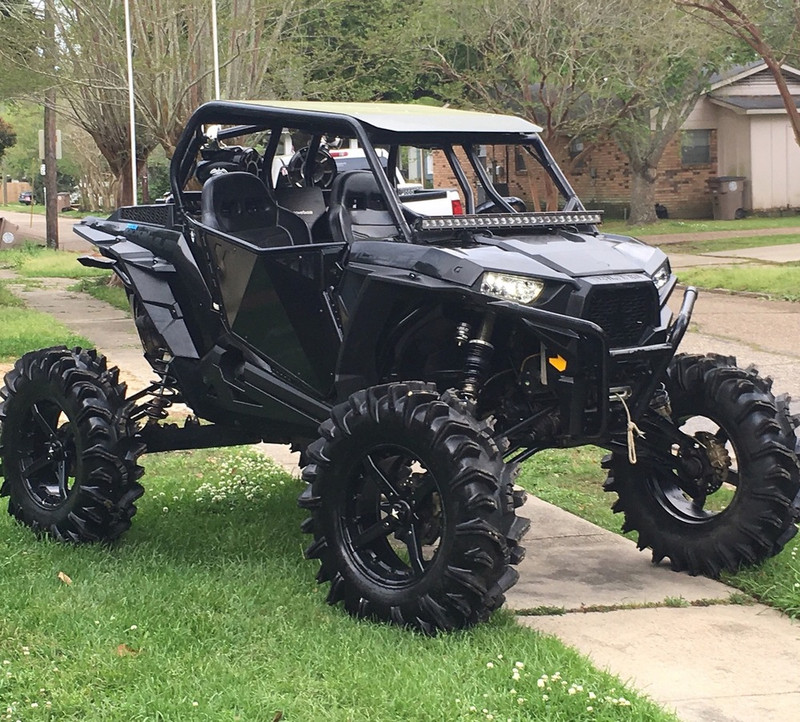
[752, 102]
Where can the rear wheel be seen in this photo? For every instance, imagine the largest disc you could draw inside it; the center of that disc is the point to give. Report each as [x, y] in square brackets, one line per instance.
[717, 487]
[412, 510]
[68, 447]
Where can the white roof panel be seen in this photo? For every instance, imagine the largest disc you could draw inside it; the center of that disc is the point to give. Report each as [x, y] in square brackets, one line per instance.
[404, 118]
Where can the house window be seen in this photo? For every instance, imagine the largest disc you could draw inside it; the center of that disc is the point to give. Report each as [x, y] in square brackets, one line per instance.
[575, 147]
[520, 166]
[695, 147]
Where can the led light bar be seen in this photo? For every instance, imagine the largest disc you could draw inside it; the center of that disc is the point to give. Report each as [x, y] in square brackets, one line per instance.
[509, 220]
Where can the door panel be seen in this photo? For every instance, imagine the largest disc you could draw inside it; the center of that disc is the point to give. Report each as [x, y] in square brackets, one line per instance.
[274, 301]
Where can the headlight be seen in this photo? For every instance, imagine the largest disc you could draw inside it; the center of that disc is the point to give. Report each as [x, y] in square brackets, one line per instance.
[511, 288]
[661, 276]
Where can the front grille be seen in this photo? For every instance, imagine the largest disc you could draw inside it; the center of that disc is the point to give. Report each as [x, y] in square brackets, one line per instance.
[623, 313]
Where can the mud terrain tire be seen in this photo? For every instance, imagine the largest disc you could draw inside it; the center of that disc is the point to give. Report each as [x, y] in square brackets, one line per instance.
[764, 481]
[412, 510]
[68, 448]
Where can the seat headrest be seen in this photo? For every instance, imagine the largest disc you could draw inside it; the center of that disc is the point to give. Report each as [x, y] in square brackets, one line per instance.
[235, 202]
[357, 190]
[306, 203]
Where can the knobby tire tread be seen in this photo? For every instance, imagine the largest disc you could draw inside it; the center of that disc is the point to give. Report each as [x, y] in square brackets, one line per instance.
[763, 516]
[470, 584]
[101, 503]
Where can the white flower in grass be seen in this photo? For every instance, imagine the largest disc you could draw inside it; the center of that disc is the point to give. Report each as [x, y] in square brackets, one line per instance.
[519, 665]
[490, 665]
[194, 704]
[540, 683]
[545, 698]
[592, 695]
[589, 708]
[571, 691]
[134, 627]
[26, 651]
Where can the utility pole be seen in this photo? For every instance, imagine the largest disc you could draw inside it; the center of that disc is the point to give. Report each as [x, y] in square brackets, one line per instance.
[50, 178]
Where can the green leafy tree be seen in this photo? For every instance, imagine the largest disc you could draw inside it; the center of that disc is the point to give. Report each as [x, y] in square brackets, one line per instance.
[632, 71]
[542, 59]
[8, 136]
[358, 51]
[771, 29]
[21, 160]
[20, 36]
[659, 67]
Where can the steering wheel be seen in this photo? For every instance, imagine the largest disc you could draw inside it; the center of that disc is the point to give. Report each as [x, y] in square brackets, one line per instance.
[323, 174]
[228, 160]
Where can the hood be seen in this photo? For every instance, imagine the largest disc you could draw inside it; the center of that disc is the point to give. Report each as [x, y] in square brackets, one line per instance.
[555, 257]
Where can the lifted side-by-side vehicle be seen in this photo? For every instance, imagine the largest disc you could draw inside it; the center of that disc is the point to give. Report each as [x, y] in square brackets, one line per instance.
[413, 360]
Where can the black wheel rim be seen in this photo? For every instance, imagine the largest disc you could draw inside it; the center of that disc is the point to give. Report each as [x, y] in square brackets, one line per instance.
[393, 516]
[705, 463]
[48, 457]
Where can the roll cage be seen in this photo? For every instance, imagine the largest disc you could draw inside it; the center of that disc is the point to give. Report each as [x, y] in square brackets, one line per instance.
[240, 119]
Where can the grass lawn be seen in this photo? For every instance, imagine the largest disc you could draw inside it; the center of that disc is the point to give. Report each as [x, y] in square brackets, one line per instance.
[730, 244]
[205, 610]
[39, 210]
[24, 329]
[98, 288]
[781, 282]
[32, 261]
[663, 227]
[573, 480]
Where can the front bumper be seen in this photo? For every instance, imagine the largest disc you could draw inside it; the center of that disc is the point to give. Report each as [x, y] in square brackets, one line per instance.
[595, 377]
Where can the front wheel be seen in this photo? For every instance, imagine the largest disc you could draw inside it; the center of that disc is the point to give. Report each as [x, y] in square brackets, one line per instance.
[412, 510]
[68, 449]
[717, 486]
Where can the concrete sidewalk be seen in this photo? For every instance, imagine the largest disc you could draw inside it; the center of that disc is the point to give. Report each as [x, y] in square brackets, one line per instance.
[720, 663]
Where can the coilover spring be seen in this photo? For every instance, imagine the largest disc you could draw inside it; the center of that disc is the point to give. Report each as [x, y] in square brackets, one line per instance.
[479, 355]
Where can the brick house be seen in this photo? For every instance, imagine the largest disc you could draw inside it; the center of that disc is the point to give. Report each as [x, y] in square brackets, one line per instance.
[738, 128]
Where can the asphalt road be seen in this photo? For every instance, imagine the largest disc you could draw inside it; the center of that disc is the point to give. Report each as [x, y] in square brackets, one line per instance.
[33, 227]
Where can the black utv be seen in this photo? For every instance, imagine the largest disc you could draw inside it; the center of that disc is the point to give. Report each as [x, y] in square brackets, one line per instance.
[414, 359]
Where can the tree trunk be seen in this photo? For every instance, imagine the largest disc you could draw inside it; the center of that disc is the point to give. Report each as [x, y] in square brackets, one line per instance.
[643, 195]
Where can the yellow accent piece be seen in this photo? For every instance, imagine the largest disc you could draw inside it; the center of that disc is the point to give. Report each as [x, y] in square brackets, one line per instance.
[558, 363]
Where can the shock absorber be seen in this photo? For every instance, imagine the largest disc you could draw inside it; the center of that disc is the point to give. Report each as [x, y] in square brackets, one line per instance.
[479, 354]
